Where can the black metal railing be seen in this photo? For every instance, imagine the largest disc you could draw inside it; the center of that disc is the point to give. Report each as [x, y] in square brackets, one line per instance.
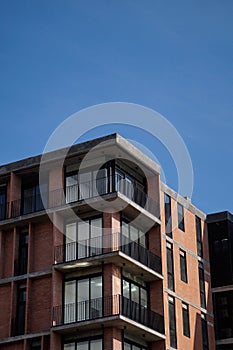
[26, 205]
[115, 305]
[79, 192]
[105, 244]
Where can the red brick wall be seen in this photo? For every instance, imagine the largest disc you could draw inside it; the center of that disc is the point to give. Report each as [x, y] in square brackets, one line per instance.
[112, 339]
[190, 291]
[40, 304]
[154, 238]
[42, 246]
[13, 346]
[5, 308]
[8, 238]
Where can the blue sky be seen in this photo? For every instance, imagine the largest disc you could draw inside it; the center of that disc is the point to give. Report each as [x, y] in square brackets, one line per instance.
[59, 56]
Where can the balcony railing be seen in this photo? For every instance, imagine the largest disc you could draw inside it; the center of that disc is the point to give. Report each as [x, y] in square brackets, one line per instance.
[76, 193]
[116, 305]
[105, 244]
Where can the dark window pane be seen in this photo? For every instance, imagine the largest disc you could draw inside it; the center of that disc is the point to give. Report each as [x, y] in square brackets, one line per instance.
[2, 202]
[205, 341]
[223, 308]
[172, 322]
[183, 266]
[180, 209]
[202, 285]
[199, 237]
[92, 344]
[170, 267]
[20, 312]
[23, 252]
[168, 218]
[185, 314]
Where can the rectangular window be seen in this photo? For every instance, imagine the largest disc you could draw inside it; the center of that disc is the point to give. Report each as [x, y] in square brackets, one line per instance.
[23, 252]
[128, 185]
[86, 184]
[185, 316]
[199, 237]
[168, 217]
[205, 342]
[183, 266]
[35, 344]
[20, 310]
[170, 266]
[172, 322]
[135, 298]
[135, 292]
[72, 188]
[131, 233]
[180, 209]
[89, 344]
[83, 239]
[223, 308]
[83, 299]
[129, 345]
[202, 285]
[32, 201]
[2, 202]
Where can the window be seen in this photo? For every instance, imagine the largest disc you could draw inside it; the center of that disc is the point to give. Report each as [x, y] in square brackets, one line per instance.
[172, 322]
[135, 292]
[89, 344]
[221, 258]
[35, 344]
[183, 266]
[83, 238]
[168, 217]
[83, 299]
[20, 310]
[202, 285]
[131, 233]
[129, 186]
[180, 209]
[2, 202]
[86, 184]
[223, 309]
[185, 316]
[23, 252]
[199, 237]
[32, 201]
[129, 345]
[170, 266]
[135, 298]
[205, 342]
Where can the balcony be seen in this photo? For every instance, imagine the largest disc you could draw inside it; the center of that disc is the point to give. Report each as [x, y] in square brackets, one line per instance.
[115, 248]
[126, 193]
[116, 310]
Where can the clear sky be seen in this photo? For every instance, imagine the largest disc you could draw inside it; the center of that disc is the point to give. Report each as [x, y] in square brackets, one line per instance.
[59, 56]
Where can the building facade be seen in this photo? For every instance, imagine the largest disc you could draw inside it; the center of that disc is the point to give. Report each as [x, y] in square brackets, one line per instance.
[96, 252]
[220, 232]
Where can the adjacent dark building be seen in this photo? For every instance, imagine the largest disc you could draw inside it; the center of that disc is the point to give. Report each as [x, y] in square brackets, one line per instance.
[220, 232]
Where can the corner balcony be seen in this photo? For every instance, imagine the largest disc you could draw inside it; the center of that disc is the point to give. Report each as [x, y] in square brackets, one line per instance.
[112, 248]
[114, 311]
[125, 195]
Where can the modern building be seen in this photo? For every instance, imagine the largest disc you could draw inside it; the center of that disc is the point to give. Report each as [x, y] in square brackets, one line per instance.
[220, 231]
[96, 252]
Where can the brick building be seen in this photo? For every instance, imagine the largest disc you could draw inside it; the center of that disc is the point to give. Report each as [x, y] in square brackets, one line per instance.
[110, 259]
[220, 232]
